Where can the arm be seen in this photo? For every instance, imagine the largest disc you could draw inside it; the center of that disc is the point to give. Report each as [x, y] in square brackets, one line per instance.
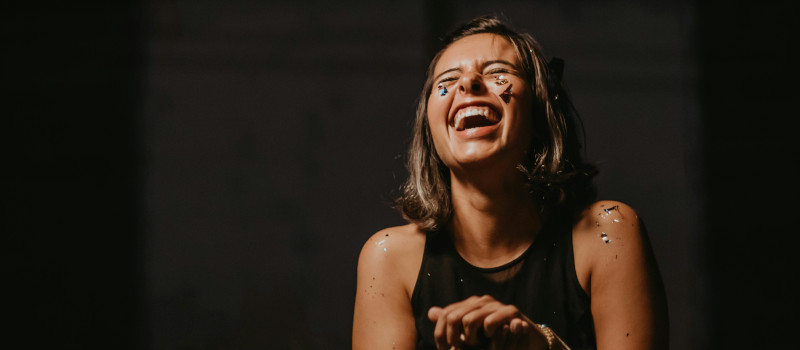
[616, 265]
[387, 271]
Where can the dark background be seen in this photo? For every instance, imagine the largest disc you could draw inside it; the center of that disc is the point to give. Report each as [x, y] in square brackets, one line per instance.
[202, 175]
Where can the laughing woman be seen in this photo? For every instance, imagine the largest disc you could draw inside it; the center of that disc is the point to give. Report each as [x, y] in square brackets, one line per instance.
[506, 247]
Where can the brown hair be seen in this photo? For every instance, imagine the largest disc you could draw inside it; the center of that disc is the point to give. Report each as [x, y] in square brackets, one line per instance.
[555, 173]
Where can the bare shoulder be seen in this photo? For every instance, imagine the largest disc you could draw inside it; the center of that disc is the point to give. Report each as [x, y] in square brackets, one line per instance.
[387, 271]
[604, 219]
[394, 251]
[615, 264]
[406, 234]
[605, 230]
[396, 243]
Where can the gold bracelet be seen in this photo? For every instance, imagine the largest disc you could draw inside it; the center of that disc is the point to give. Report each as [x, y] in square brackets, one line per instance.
[548, 334]
[553, 341]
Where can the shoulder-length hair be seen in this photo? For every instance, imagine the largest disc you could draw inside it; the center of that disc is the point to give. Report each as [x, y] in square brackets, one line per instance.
[553, 169]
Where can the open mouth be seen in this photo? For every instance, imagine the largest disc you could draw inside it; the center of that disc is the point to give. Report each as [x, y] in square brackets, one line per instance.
[475, 117]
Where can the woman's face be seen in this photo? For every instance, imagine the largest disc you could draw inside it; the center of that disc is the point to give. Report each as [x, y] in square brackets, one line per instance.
[483, 118]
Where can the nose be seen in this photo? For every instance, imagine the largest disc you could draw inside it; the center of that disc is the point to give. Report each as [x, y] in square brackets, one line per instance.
[471, 83]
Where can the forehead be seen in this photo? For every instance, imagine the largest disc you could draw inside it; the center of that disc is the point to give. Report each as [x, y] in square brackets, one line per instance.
[476, 49]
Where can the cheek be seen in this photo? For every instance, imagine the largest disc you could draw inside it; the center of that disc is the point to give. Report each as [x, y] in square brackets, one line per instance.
[437, 115]
[437, 109]
[437, 118]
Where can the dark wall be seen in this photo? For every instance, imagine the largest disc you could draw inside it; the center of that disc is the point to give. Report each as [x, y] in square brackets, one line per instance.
[200, 174]
[748, 99]
[273, 132]
[71, 212]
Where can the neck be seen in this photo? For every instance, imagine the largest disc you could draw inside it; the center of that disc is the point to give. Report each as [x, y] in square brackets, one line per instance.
[494, 219]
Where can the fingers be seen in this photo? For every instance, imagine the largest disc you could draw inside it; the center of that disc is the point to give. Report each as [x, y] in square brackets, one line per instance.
[454, 326]
[519, 334]
[480, 321]
[447, 332]
[500, 339]
[433, 313]
[449, 321]
[463, 319]
[473, 323]
[516, 325]
[439, 335]
[502, 315]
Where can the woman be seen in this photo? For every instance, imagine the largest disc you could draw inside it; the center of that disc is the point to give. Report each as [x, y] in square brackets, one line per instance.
[506, 248]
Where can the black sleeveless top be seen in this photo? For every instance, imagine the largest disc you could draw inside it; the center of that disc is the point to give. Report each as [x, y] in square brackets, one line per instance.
[541, 283]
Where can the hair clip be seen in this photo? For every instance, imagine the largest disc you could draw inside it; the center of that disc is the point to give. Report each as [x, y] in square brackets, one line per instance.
[442, 90]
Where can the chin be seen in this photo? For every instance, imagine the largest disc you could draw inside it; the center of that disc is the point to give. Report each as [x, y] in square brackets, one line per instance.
[489, 155]
[483, 159]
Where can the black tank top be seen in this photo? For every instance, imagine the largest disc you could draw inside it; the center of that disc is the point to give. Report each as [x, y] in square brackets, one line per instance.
[541, 283]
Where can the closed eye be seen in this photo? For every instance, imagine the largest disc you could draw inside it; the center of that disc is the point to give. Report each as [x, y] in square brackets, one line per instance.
[446, 82]
[497, 71]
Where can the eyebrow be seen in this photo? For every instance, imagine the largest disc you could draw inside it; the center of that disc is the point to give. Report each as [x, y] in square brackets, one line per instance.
[487, 63]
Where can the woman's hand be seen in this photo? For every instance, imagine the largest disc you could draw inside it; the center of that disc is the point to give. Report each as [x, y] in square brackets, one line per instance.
[486, 323]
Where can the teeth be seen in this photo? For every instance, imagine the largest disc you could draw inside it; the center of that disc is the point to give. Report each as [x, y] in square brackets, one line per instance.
[483, 111]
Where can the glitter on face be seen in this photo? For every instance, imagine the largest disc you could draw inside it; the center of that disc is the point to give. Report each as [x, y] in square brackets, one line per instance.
[605, 238]
[442, 90]
[506, 95]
